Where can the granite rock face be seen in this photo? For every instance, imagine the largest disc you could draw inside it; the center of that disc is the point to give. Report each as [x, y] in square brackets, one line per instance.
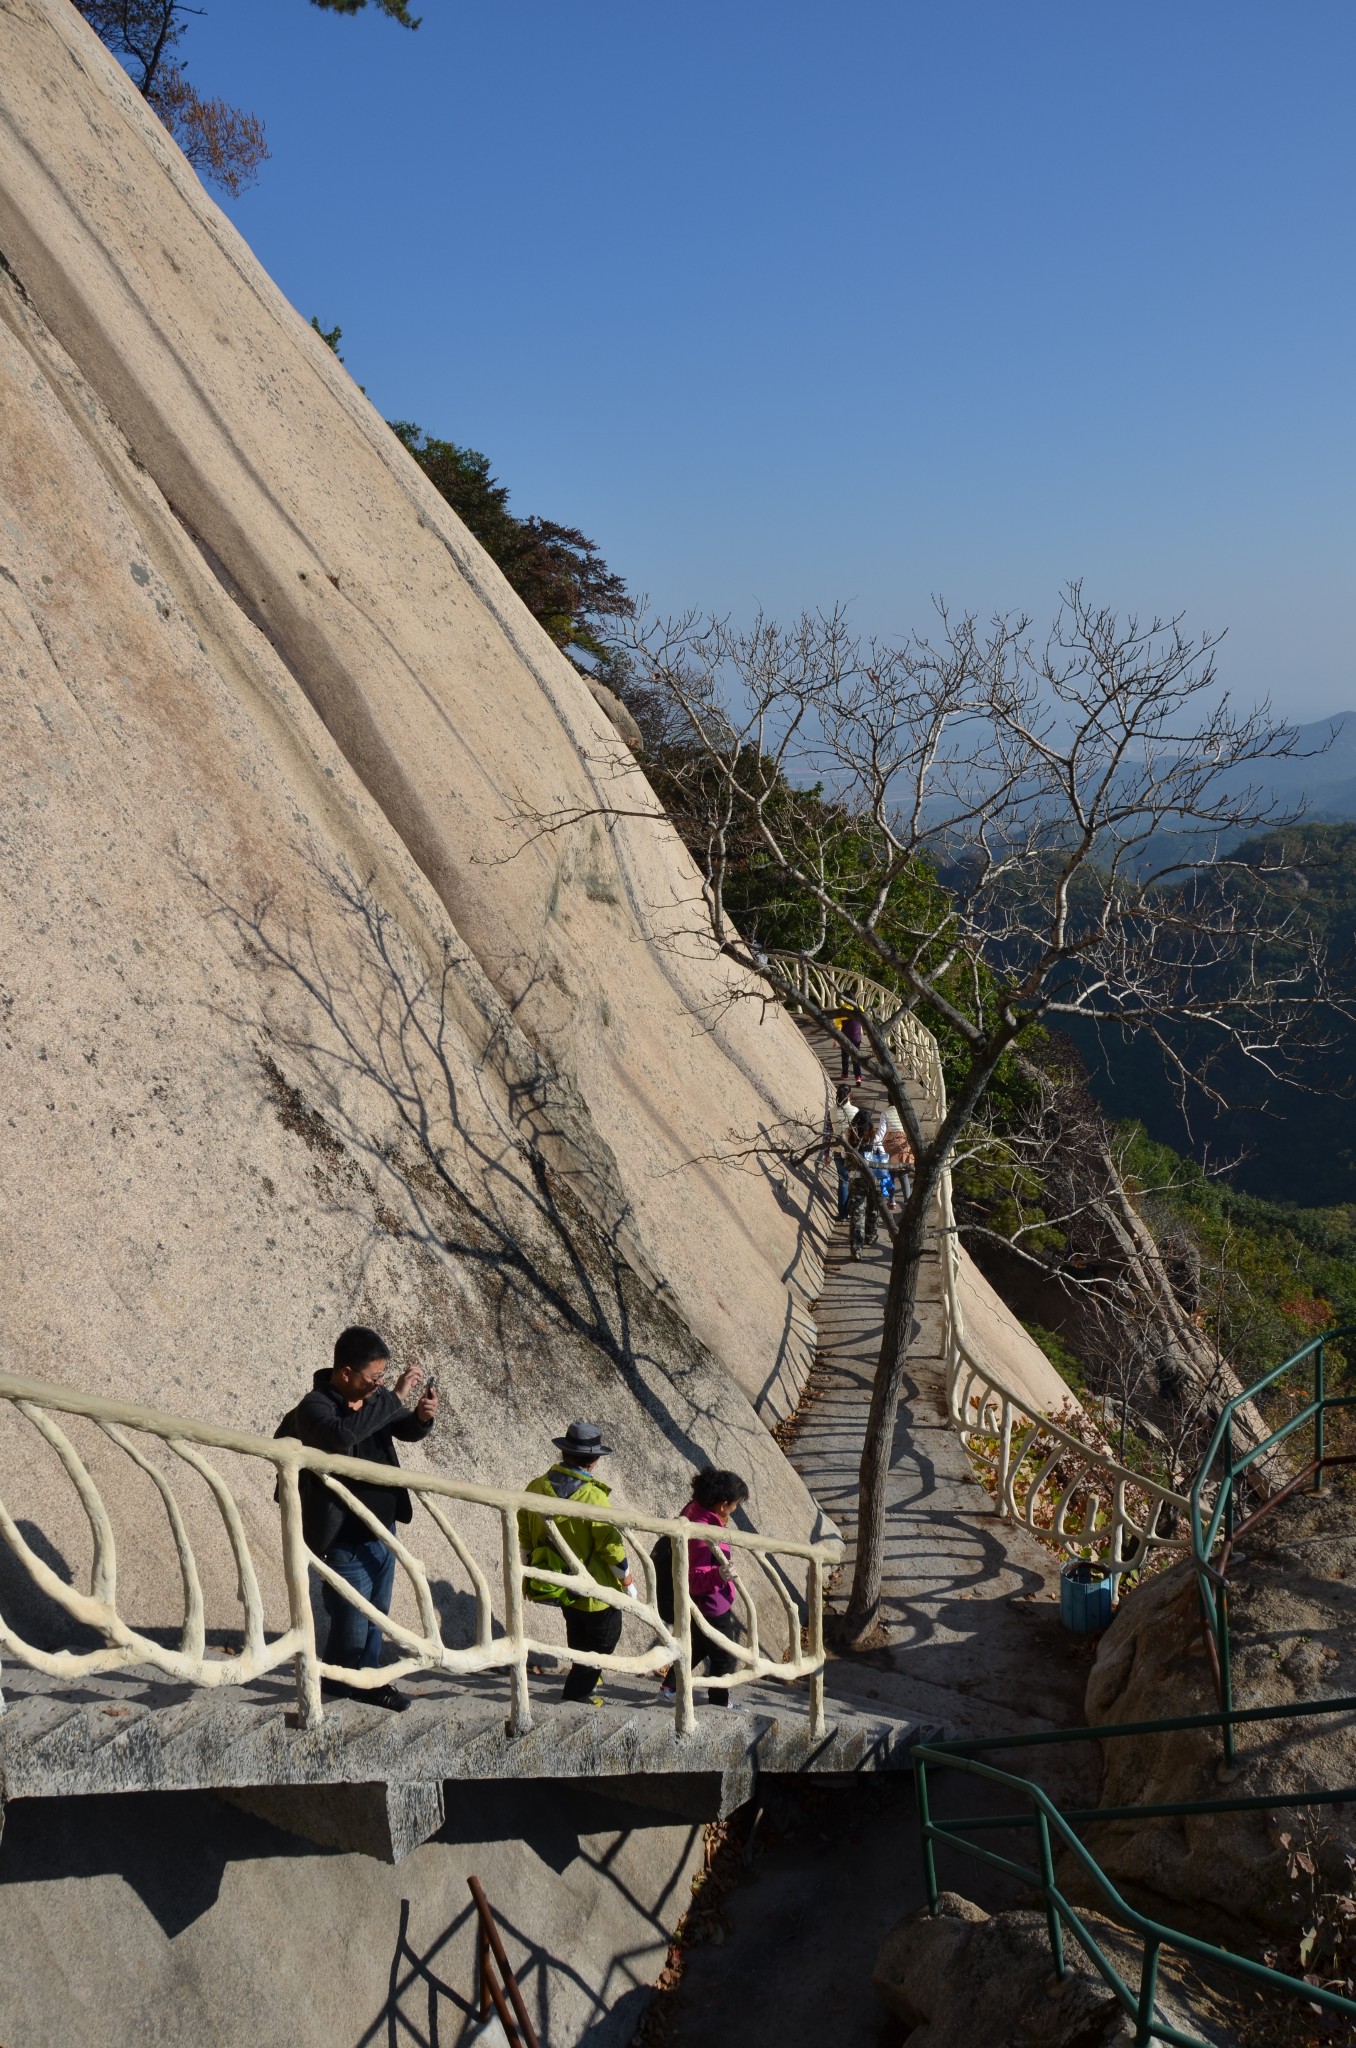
[272, 546]
[301, 1021]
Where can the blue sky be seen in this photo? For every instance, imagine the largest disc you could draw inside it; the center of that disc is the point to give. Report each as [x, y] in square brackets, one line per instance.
[785, 304]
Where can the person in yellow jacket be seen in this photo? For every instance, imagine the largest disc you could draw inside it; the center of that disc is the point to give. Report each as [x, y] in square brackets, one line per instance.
[589, 1624]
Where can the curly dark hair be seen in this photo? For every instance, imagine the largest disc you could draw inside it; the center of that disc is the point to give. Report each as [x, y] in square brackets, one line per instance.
[712, 1488]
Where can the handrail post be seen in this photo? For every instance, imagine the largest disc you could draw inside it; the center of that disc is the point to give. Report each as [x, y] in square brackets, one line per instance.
[920, 1782]
[1226, 1676]
[310, 1711]
[815, 1599]
[684, 1712]
[1320, 1397]
[1052, 1919]
[1148, 1991]
[1227, 1481]
[1004, 1454]
[520, 1702]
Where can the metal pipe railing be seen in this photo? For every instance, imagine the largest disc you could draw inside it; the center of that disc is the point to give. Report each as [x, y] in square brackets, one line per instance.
[1223, 1487]
[1138, 2001]
[679, 1644]
[497, 1985]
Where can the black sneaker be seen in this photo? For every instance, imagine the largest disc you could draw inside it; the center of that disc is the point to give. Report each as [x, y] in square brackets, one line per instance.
[335, 1689]
[390, 1697]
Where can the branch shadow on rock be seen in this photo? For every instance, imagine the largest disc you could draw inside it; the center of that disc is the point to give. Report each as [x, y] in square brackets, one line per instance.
[452, 1177]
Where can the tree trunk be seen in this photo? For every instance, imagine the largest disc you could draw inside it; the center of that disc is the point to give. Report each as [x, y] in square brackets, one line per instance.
[1136, 1249]
[863, 1612]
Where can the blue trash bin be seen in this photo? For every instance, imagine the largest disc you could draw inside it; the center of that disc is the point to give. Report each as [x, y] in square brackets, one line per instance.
[1085, 1598]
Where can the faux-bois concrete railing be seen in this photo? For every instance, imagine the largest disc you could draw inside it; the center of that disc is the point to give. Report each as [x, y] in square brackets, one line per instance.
[138, 1431]
[1068, 1492]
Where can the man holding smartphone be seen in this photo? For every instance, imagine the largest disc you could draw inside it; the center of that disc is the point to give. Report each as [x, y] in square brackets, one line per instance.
[349, 1411]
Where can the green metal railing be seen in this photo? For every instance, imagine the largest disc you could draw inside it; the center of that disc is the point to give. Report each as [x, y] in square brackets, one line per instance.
[1052, 1827]
[1222, 1479]
[1223, 1483]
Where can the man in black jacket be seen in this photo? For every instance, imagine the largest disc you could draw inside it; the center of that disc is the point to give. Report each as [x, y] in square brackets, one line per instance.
[350, 1412]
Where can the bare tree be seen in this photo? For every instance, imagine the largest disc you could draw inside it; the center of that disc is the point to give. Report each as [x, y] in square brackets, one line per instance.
[223, 143]
[978, 819]
[1040, 1191]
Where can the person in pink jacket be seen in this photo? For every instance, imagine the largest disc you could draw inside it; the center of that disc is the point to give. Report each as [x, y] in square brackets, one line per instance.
[711, 1578]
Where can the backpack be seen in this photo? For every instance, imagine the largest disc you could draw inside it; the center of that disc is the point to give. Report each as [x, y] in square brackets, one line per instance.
[540, 1591]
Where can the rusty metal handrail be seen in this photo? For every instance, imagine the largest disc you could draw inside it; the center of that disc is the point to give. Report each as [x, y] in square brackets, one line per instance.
[502, 1992]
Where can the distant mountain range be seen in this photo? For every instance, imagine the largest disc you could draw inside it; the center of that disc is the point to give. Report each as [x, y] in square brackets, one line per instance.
[1297, 1146]
[1325, 783]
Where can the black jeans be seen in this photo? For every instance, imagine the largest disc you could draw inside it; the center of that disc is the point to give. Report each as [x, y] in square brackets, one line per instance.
[597, 1629]
[719, 1663]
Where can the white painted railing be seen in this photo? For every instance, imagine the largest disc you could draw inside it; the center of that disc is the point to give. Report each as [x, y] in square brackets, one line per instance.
[1070, 1492]
[158, 1444]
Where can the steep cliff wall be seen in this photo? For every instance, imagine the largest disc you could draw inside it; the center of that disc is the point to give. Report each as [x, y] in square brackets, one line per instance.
[448, 704]
[301, 1023]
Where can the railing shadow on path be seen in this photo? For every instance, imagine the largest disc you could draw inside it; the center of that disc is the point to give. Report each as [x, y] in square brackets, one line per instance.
[1058, 1481]
[969, 1621]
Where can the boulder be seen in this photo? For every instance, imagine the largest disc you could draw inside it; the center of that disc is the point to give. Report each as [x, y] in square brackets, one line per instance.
[968, 1979]
[608, 701]
[1292, 1610]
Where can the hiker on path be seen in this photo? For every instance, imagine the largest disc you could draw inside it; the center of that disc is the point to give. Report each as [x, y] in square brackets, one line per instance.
[863, 1193]
[894, 1139]
[590, 1625]
[851, 1028]
[840, 1121]
[711, 1579]
[348, 1411]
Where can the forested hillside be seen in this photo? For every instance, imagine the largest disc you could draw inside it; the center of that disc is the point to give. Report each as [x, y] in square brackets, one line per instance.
[1066, 1150]
[1293, 1147]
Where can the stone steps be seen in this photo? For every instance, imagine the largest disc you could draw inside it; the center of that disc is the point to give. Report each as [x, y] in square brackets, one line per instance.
[127, 1735]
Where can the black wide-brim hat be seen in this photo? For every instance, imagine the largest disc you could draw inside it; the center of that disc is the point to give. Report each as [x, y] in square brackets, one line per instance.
[583, 1440]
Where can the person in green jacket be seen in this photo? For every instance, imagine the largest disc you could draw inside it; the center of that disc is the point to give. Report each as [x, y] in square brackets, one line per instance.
[589, 1624]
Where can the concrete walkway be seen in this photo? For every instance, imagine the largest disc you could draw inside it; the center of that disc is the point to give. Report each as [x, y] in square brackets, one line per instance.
[970, 1606]
[974, 1645]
